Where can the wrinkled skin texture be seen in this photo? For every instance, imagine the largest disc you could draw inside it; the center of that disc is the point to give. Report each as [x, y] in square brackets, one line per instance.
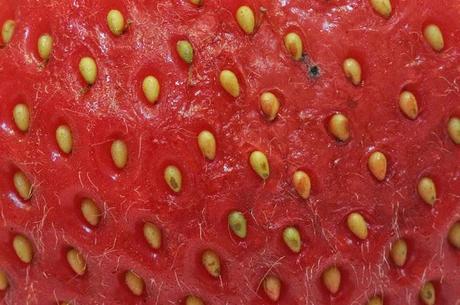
[393, 55]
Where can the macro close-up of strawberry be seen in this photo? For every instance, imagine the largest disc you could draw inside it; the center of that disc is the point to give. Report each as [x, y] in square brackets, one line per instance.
[226, 152]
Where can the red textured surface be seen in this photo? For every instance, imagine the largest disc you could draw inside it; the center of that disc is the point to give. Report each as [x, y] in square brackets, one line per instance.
[393, 55]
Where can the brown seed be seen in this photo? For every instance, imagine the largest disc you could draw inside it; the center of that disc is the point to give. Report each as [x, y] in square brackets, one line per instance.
[398, 252]
[207, 144]
[357, 225]
[338, 127]
[134, 283]
[453, 128]
[90, 211]
[22, 185]
[272, 287]
[408, 104]
[4, 283]
[193, 300]
[433, 35]
[427, 190]
[376, 300]
[64, 138]
[8, 31]
[173, 178]
[377, 164]
[270, 105]
[76, 261]
[21, 117]
[382, 7]
[197, 3]
[302, 183]
[352, 70]
[331, 279]
[152, 235]
[428, 294]
[119, 152]
[211, 262]
[23, 248]
[294, 45]
[454, 235]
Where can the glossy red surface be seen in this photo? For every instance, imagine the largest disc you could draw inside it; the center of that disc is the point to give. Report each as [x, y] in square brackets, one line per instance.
[393, 55]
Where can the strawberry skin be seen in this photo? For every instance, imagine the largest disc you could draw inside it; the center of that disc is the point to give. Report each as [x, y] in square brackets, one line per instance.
[320, 168]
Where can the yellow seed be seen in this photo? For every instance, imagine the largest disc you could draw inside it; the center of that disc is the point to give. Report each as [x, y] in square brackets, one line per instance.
[270, 105]
[151, 88]
[428, 294]
[352, 70]
[197, 3]
[377, 164]
[338, 127]
[152, 235]
[238, 224]
[21, 117]
[116, 22]
[90, 211]
[207, 144]
[23, 248]
[64, 138]
[211, 262]
[8, 31]
[229, 82]
[433, 36]
[76, 261]
[259, 164]
[88, 70]
[173, 178]
[453, 128]
[4, 283]
[22, 185]
[294, 45]
[44, 46]
[302, 183]
[398, 252]
[408, 104]
[331, 279]
[134, 282]
[272, 287]
[454, 235]
[193, 300]
[185, 50]
[119, 151]
[427, 190]
[357, 225]
[291, 237]
[375, 301]
[382, 7]
[245, 18]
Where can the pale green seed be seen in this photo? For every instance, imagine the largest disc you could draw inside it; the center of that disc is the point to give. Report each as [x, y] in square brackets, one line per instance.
[173, 178]
[237, 223]
[259, 164]
[88, 70]
[151, 88]
[8, 31]
[185, 50]
[45, 46]
[116, 22]
[291, 237]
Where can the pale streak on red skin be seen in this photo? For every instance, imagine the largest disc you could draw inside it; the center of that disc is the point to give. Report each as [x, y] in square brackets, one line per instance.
[165, 133]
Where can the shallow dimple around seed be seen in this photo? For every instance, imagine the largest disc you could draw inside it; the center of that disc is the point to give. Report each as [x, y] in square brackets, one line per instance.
[338, 127]
[377, 164]
[134, 283]
[245, 18]
[433, 35]
[8, 31]
[173, 178]
[382, 7]
[408, 104]
[4, 283]
[229, 82]
[207, 144]
[45, 46]
[292, 239]
[152, 235]
[270, 105]
[302, 183]
[23, 248]
[151, 88]
[357, 225]
[76, 261]
[294, 45]
[185, 50]
[259, 164]
[427, 190]
[332, 279]
[90, 211]
[428, 294]
[454, 235]
[453, 129]
[398, 252]
[21, 117]
[88, 69]
[22, 185]
[376, 300]
[64, 138]
[237, 223]
[193, 300]
[116, 22]
[352, 70]
[211, 262]
[119, 152]
[272, 287]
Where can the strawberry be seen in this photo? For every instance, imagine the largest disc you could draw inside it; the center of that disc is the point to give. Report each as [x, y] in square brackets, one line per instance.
[228, 152]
